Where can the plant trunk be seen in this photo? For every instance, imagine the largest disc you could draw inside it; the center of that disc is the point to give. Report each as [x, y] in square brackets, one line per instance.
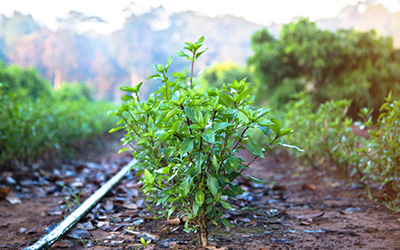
[202, 234]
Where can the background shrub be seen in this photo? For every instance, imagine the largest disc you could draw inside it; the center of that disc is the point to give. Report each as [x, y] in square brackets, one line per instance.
[35, 119]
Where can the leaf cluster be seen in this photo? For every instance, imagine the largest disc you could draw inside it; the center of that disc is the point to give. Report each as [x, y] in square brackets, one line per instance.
[187, 142]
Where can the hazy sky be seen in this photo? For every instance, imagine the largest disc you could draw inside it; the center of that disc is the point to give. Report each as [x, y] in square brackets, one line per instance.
[259, 11]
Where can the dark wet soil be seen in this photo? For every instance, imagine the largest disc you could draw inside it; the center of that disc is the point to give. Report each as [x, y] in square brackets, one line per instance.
[297, 208]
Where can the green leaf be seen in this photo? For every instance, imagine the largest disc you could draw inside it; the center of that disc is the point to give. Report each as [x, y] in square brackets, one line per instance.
[164, 136]
[159, 67]
[215, 163]
[254, 148]
[262, 113]
[201, 40]
[185, 186]
[266, 131]
[199, 53]
[123, 150]
[221, 125]
[199, 161]
[156, 76]
[148, 177]
[276, 127]
[172, 113]
[137, 87]
[226, 205]
[116, 129]
[285, 131]
[233, 162]
[236, 189]
[128, 89]
[256, 180]
[212, 184]
[226, 99]
[208, 136]
[186, 145]
[209, 208]
[171, 210]
[126, 98]
[199, 197]
[112, 113]
[242, 95]
[193, 114]
[265, 122]
[169, 61]
[195, 208]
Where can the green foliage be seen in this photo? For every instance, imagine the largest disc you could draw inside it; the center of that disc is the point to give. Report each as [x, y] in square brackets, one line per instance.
[359, 66]
[74, 92]
[24, 82]
[380, 158]
[36, 120]
[187, 142]
[324, 133]
[329, 139]
[73, 199]
[221, 73]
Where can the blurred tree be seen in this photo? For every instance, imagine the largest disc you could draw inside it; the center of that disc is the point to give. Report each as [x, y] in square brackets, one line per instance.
[360, 66]
[25, 82]
[221, 73]
[74, 92]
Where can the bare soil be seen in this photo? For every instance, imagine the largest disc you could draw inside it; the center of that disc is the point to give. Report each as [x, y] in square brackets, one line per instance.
[297, 208]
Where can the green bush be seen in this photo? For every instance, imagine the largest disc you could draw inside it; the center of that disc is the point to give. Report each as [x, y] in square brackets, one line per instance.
[74, 92]
[24, 82]
[380, 158]
[324, 133]
[34, 122]
[330, 142]
[186, 143]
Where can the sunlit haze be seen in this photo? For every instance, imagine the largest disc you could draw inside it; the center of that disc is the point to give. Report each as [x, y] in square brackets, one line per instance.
[114, 12]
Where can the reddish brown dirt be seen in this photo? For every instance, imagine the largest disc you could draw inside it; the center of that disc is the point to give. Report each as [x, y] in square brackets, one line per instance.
[296, 209]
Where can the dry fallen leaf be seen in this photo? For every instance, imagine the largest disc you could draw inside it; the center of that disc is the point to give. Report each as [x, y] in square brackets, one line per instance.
[130, 206]
[213, 247]
[174, 221]
[12, 198]
[63, 244]
[3, 193]
[308, 187]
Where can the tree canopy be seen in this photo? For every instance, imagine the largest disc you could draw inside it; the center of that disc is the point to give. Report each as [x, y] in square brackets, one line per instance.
[346, 64]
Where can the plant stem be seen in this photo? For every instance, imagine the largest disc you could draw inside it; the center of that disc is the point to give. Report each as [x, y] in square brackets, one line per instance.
[204, 234]
[191, 71]
[127, 123]
[166, 90]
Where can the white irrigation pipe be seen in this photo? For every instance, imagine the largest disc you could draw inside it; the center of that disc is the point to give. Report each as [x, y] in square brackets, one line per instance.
[46, 241]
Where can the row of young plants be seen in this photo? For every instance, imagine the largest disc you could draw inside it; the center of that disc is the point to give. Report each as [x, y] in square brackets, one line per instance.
[187, 142]
[36, 119]
[367, 150]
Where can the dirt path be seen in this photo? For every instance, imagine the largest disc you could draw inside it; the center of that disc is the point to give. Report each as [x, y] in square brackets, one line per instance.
[295, 209]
